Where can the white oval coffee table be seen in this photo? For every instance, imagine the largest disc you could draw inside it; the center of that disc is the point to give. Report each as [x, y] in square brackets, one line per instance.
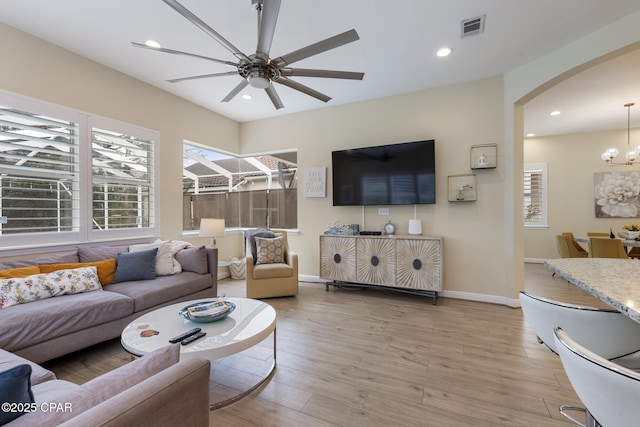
[250, 323]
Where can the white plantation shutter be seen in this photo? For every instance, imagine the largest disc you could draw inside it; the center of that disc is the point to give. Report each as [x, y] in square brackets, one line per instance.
[38, 173]
[68, 177]
[535, 195]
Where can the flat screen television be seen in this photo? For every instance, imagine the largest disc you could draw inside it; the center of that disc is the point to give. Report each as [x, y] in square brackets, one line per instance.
[395, 174]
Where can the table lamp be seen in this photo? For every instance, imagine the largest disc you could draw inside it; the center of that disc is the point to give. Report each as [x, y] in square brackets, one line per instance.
[212, 228]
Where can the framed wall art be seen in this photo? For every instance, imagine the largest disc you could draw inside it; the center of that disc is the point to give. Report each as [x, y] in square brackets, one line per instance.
[315, 182]
[462, 188]
[484, 156]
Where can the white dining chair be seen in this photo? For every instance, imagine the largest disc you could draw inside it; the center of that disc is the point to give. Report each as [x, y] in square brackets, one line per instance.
[608, 390]
[608, 333]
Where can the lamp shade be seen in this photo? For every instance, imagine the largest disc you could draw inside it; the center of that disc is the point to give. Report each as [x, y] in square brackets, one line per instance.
[211, 227]
[415, 226]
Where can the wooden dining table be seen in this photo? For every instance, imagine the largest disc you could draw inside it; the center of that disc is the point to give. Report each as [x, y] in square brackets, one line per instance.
[614, 281]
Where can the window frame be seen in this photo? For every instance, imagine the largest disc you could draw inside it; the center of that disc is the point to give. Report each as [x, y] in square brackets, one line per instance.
[529, 168]
[34, 242]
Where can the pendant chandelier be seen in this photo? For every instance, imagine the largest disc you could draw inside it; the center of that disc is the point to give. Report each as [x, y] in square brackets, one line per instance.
[631, 155]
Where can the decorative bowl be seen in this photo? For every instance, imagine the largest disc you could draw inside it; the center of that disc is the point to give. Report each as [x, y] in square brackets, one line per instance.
[184, 312]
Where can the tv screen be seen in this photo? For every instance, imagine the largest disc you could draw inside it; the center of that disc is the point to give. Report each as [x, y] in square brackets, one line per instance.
[396, 174]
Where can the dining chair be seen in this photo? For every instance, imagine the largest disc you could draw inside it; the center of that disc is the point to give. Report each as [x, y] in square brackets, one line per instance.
[579, 252]
[606, 248]
[597, 234]
[608, 390]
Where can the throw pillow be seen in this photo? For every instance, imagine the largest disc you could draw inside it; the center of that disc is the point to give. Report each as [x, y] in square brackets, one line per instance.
[250, 237]
[96, 253]
[106, 268]
[193, 259]
[22, 290]
[136, 266]
[164, 257]
[15, 387]
[269, 251]
[19, 272]
[177, 246]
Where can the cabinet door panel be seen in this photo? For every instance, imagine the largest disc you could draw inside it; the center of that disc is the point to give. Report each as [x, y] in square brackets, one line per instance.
[338, 258]
[419, 264]
[376, 261]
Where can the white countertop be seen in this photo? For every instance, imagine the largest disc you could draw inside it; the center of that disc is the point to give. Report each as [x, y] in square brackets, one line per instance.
[614, 281]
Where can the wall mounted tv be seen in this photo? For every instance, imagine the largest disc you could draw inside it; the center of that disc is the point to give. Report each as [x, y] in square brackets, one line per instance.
[396, 174]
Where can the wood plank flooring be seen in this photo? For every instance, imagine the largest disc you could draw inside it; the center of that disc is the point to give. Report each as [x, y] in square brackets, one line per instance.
[371, 358]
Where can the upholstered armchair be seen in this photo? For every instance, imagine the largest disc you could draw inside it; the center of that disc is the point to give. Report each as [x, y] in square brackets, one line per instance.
[272, 268]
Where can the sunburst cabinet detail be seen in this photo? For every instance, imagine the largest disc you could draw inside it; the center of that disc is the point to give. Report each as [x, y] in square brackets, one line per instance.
[337, 258]
[406, 263]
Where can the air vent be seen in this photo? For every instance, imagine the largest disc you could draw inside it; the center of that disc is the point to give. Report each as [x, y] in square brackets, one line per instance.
[473, 26]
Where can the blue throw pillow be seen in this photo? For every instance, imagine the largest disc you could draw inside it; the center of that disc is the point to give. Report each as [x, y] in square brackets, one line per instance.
[15, 387]
[140, 265]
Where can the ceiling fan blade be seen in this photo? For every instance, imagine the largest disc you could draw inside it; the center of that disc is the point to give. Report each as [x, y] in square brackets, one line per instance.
[329, 74]
[268, 17]
[304, 89]
[179, 52]
[206, 28]
[316, 48]
[273, 96]
[204, 76]
[236, 90]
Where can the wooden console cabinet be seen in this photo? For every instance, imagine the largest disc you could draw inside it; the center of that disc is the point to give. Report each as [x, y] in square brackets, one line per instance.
[410, 264]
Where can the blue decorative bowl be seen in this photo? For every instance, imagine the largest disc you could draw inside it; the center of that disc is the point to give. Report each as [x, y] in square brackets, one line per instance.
[184, 312]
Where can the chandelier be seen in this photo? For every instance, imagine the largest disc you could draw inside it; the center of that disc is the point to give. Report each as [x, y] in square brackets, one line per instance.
[631, 155]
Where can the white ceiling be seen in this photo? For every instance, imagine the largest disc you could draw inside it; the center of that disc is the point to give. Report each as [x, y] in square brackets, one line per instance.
[396, 50]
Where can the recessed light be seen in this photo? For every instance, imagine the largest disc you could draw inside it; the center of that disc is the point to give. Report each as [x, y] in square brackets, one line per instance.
[530, 135]
[152, 43]
[555, 113]
[445, 51]
[246, 96]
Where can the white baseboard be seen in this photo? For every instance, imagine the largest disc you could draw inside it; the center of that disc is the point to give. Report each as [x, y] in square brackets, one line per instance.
[535, 260]
[493, 299]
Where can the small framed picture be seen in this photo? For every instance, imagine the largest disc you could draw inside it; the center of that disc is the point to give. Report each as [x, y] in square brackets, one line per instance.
[462, 188]
[484, 156]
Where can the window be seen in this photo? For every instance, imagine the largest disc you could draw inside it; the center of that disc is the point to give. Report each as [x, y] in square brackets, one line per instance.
[67, 177]
[535, 195]
[247, 192]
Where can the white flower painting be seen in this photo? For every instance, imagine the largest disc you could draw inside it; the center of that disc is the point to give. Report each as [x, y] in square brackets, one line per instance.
[617, 194]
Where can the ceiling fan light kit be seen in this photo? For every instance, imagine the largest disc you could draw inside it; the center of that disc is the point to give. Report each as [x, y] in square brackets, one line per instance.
[631, 155]
[260, 70]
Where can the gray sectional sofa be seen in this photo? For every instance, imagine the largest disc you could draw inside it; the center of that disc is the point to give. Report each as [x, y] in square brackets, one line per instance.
[48, 328]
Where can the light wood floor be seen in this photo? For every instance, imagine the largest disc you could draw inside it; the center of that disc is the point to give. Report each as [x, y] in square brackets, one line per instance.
[372, 358]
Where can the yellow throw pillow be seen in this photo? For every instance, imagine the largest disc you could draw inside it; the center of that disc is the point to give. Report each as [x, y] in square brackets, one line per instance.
[10, 273]
[106, 268]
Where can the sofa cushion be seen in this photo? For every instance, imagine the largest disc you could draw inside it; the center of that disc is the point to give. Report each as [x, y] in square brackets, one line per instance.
[164, 257]
[38, 373]
[269, 251]
[47, 259]
[15, 387]
[106, 268]
[19, 272]
[98, 253]
[106, 386]
[132, 266]
[193, 259]
[21, 290]
[148, 293]
[28, 324]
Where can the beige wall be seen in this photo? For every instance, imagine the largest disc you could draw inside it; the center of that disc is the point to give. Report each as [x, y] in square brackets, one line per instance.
[456, 117]
[43, 71]
[572, 161]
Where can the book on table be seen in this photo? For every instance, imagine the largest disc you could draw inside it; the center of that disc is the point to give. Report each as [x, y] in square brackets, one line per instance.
[208, 309]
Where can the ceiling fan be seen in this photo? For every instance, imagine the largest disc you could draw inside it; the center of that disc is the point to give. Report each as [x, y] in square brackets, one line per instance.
[259, 70]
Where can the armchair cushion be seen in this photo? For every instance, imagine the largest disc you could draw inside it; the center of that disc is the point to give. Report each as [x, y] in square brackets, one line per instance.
[270, 251]
[271, 271]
